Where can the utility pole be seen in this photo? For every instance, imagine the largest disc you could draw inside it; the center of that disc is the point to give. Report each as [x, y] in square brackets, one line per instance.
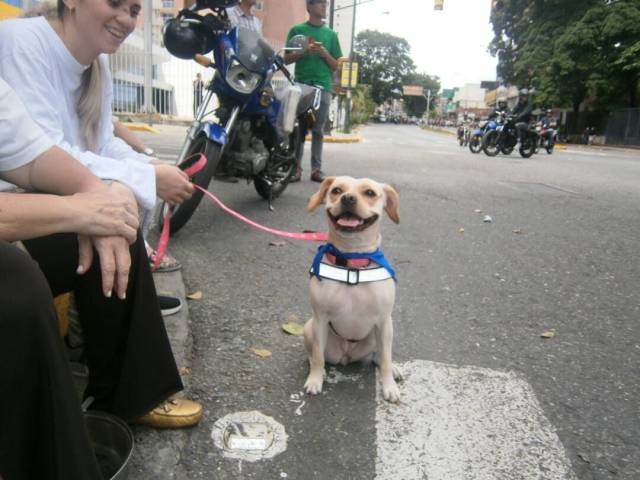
[148, 59]
[428, 97]
[347, 125]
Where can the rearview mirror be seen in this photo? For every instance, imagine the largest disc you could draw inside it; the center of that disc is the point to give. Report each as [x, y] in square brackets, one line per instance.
[297, 43]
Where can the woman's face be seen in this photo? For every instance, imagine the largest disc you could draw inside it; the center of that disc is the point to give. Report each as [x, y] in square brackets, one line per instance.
[104, 24]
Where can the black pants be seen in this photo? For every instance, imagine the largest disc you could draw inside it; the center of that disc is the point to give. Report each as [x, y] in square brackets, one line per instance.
[132, 369]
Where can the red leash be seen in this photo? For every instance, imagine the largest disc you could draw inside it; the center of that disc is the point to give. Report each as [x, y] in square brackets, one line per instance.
[192, 167]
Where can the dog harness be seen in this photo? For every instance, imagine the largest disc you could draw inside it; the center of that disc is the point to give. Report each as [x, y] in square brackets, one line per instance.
[350, 268]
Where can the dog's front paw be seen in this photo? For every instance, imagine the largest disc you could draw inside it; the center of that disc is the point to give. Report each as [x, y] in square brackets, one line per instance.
[390, 391]
[313, 385]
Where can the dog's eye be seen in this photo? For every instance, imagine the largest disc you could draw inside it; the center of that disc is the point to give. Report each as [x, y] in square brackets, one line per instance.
[370, 193]
[336, 191]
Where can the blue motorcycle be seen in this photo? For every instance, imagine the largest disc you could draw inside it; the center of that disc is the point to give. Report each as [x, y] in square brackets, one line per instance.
[254, 131]
[475, 143]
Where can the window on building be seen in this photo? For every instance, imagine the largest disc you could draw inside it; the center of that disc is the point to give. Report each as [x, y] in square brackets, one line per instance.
[168, 3]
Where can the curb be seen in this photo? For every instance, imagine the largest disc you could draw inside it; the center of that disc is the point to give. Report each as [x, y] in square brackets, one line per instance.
[140, 127]
[337, 139]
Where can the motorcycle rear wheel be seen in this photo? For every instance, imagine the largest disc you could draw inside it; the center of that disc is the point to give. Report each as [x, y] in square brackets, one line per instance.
[183, 212]
[490, 144]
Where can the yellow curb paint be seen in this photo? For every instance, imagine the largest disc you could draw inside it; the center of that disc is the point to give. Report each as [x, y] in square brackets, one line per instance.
[139, 127]
[338, 139]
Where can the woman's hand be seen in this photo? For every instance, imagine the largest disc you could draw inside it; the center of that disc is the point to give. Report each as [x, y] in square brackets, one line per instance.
[172, 184]
[106, 212]
[115, 262]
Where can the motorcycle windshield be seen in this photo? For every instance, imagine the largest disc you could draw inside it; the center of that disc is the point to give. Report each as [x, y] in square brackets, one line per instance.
[254, 53]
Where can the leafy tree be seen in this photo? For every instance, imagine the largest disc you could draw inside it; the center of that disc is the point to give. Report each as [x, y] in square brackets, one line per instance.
[384, 63]
[416, 106]
[570, 50]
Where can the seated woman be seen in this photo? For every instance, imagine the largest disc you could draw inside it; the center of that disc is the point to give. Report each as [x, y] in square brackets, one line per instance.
[131, 365]
[58, 69]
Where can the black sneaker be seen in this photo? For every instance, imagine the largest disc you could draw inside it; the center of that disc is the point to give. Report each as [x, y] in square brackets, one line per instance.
[169, 305]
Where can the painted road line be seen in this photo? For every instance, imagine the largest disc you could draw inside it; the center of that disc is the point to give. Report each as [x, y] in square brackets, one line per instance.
[459, 423]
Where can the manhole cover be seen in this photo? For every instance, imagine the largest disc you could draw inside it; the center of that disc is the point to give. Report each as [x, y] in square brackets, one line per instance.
[249, 436]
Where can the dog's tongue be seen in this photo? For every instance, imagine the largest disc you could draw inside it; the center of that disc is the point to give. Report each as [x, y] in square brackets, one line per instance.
[350, 222]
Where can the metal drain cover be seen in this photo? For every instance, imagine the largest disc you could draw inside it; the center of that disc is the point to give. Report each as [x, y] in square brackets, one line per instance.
[249, 436]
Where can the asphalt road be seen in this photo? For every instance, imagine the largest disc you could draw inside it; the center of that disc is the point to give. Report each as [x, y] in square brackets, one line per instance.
[560, 255]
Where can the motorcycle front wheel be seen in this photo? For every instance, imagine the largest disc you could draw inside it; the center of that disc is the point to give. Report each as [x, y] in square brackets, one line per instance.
[490, 144]
[549, 146]
[475, 144]
[528, 146]
[274, 180]
[183, 212]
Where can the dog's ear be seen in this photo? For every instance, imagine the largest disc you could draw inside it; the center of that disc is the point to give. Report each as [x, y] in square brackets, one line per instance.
[392, 203]
[318, 197]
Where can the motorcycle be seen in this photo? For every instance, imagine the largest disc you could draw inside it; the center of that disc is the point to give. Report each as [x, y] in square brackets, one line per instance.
[505, 138]
[547, 136]
[464, 134]
[475, 143]
[254, 133]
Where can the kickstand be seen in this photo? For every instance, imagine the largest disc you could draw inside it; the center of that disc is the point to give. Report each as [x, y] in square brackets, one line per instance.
[271, 209]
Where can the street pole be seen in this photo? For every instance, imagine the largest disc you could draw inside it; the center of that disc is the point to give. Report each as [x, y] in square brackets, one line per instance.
[331, 7]
[347, 125]
[428, 97]
[148, 60]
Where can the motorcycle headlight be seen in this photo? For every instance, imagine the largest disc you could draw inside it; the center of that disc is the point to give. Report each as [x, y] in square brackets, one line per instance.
[241, 79]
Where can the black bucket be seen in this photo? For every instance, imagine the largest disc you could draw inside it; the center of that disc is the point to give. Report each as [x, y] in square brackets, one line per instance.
[112, 442]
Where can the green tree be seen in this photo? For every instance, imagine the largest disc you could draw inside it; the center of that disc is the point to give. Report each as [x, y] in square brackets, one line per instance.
[570, 50]
[384, 63]
[416, 106]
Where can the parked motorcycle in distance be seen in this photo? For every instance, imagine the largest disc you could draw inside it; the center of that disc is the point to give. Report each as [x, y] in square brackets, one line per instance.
[253, 132]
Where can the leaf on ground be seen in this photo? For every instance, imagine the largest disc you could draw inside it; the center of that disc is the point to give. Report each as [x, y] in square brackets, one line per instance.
[548, 334]
[195, 295]
[185, 371]
[293, 328]
[477, 210]
[261, 352]
[461, 230]
[277, 243]
[518, 231]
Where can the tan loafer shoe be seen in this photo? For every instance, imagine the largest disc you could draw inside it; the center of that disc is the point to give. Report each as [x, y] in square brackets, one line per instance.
[173, 413]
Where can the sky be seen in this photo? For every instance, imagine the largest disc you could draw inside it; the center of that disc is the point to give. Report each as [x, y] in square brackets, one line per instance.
[451, 43]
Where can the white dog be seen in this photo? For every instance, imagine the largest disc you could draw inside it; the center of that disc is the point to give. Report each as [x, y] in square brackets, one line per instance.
[353, 289]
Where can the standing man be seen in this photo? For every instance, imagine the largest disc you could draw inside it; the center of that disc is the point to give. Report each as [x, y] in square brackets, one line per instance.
[242, 16]
[198, 87]
[315, 66]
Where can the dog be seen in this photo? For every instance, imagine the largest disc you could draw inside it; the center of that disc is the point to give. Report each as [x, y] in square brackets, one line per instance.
[351, 319]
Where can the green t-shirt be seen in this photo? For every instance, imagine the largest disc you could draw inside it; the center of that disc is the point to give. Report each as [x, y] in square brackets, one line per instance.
[312, 69]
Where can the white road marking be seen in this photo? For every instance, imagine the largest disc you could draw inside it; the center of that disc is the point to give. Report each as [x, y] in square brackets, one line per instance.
[459, 423]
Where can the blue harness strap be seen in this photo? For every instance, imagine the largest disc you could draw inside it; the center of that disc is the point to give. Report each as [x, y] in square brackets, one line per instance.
[377, 257]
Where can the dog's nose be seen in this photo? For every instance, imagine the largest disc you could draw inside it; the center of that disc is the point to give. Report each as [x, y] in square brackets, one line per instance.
[348, 200]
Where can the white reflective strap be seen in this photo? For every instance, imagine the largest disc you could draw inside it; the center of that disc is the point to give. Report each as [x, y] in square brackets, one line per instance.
[352, 276]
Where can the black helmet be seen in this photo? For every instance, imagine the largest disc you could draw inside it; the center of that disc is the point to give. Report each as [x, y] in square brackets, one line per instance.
[185, 38]
[202, 4]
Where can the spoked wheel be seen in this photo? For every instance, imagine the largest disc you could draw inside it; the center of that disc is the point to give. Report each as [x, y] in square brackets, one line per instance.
[183, 212]
[281, 167]
[475, 144]
[549, 145]
[490, 144]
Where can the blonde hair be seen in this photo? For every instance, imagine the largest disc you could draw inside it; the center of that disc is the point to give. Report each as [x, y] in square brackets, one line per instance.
[89, 105]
